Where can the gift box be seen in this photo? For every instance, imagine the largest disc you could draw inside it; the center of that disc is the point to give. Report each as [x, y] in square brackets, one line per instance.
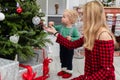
[40, 54]
[8, 69]
[36, 68]
[35, 63]
[38, 57]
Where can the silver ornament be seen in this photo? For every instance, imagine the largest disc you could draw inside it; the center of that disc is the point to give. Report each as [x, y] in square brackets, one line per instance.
[36, 20]
[2, 16]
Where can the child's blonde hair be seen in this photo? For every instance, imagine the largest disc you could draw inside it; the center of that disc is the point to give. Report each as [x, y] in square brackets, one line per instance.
[72, 15]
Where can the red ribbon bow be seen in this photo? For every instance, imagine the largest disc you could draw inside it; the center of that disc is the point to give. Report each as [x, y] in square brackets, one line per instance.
[29, 75]
[45, 69]
[46, 66]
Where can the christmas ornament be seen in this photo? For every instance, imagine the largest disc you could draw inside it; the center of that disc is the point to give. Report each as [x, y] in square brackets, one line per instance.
[19, 10]
[17, 4]
[36, 20]
[14, 38]
[2, 16]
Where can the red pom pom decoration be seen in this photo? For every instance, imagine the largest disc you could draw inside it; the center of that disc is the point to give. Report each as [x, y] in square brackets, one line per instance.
[19, 10]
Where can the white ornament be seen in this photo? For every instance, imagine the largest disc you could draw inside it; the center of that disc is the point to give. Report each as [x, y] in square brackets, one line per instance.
[36, 20]
[2, 16]
[14, 38]
[17, 5]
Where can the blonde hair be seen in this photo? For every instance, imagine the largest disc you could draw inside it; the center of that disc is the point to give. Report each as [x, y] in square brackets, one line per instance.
[94, 20]
[72, 15]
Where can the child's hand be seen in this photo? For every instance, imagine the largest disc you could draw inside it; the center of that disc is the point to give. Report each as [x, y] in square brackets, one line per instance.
[68, 37]
[51, 24]
[50, 29]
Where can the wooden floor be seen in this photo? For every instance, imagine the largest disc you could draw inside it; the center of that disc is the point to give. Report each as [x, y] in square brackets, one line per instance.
[78, 65]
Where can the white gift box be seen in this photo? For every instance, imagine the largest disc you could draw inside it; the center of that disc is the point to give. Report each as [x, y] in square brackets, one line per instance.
[36, 68]
[8, 69]
[36, 63]
[40, 55]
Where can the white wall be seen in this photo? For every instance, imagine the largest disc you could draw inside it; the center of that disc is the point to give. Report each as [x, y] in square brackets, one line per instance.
[51, 6]
[73, 3]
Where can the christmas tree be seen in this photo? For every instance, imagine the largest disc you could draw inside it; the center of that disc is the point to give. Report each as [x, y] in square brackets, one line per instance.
[21, 28]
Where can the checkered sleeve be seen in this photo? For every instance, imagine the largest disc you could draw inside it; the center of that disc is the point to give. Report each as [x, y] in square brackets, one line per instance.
[106, 49]
[69, 44]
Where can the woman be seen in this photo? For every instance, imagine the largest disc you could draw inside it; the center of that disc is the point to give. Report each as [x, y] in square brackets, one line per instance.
[98, 42]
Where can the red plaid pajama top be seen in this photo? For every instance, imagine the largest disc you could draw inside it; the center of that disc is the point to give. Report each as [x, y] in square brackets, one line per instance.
[98, 62]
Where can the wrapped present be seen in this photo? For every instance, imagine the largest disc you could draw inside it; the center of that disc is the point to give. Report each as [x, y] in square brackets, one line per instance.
[8, 69]
[30, 71]
[35, 73]
[37, 58]
[40, 55]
